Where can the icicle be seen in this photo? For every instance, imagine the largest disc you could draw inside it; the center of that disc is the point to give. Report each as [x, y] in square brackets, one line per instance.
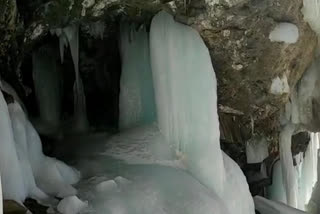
[62, 43]
[288, 171]
[80, 112]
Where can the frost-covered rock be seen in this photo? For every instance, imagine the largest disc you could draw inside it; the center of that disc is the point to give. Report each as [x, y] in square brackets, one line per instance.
[71, 205]
[284, 32]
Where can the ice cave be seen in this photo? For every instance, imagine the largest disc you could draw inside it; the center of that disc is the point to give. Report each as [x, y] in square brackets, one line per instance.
[159, 107]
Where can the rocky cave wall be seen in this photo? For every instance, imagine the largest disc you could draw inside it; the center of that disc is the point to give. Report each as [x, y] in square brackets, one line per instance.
[235, 31]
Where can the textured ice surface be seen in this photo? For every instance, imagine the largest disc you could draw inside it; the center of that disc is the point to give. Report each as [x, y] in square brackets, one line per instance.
[142, 145]
[257, 150]
[136, 104]
[265, 206]
[284, 32]
[71, 205]
[11, 173]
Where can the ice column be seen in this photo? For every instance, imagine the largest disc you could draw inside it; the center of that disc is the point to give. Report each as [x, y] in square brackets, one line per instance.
[186, 100]
[288, 171]
[47, 85]
[136, 102]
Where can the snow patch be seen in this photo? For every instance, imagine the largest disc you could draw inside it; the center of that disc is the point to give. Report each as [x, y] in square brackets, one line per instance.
[280, 86]
[284, 32]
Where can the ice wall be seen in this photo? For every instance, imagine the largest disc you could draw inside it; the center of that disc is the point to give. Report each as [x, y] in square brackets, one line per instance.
[47, 83]
[136, 104]
[12, 179]
[186, 103]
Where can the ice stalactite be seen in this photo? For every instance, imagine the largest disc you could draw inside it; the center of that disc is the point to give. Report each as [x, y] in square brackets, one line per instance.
[136, 101]
[186, 103]
[47, 83]
[12, 179]
[80, 111]
[70, 36]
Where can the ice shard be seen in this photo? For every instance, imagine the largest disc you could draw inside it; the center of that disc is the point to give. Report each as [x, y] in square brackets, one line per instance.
[136, 101]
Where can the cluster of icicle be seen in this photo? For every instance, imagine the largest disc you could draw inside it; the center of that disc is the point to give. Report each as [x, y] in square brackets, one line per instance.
[25, 170]
[70, 35]
[183, 81]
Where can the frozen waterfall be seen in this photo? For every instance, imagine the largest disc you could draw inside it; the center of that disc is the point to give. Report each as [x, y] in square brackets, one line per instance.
[136, 89]
[186, 102]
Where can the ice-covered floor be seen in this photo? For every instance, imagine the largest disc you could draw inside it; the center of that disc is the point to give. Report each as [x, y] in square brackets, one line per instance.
[123, 174]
